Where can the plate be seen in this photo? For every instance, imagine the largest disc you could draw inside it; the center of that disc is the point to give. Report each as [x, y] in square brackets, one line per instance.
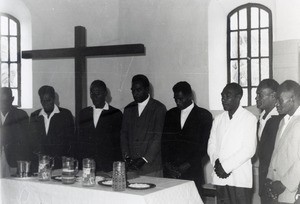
[140, 186]
[105, 182]
[30, 176]
[59, 178]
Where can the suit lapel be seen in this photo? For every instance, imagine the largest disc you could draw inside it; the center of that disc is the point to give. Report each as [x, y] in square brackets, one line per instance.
[189, 119]
[284, 135]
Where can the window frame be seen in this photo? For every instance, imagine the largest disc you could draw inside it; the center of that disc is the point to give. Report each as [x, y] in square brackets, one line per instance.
[18, 61]
[248, 7]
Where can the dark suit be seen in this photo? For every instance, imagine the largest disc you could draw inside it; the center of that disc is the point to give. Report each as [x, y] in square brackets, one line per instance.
[189, 144]
[14, 136]
[141, 135]
[265, 149]
[57, 142]
[103, 142]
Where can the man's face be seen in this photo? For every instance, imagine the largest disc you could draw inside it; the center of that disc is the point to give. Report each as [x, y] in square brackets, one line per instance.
[265, 98]
[139, 92]
[182, 101]
[5, 101]
[230, 100]
[285, 103]
[47, 102]
[98, 95]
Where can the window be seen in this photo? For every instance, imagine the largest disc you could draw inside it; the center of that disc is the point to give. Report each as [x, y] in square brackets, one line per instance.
[249, 48]
[10, 68]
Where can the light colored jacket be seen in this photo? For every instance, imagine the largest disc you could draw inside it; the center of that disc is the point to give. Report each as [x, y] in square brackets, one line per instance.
[285, 162]
[234, 143]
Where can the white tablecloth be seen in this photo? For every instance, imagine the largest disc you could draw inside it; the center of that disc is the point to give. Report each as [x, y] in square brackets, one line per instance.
[32, 191]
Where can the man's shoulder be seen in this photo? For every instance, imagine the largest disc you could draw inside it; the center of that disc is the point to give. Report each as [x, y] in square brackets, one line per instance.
[20, 112]
[64, 111]
[157, 103]
[202, 111]
[35, 113]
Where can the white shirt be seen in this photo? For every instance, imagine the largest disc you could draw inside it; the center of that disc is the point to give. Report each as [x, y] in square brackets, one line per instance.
[3, 117]
[262, 121]
[233, 142]
[287, 118]
[141, 106]
[46, 119]
[97, 112]
[185, 113]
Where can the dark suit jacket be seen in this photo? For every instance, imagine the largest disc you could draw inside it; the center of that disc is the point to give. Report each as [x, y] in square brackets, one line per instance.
[141, 135]
[103, 142]
[14, 136]
[57, 142]
[188, 144]
[265, 148]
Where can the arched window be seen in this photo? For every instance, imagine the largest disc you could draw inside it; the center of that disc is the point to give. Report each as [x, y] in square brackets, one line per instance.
[249, 48]
[10, 55]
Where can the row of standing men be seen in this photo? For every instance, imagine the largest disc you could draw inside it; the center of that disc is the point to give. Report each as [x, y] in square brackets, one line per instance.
[172, 143]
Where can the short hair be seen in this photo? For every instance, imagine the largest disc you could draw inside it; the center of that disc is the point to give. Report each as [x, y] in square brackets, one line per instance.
[140, 78]
[47, 90]
[6, 91]
[236, 87]
[98, 83]
[290, 86]
[269, 83]
[183, 87]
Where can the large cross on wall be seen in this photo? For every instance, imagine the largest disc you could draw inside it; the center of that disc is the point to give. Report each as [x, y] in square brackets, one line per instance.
[79, 53]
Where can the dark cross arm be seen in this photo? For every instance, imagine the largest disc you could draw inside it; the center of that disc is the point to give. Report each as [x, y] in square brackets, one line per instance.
[105, 51]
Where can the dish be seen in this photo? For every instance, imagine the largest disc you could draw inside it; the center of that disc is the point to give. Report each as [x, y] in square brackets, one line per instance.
[59, 178]
[105, 182]
[30, 176]
[141, 186]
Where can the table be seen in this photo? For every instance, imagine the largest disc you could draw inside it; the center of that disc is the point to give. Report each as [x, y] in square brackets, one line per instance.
[32, 191]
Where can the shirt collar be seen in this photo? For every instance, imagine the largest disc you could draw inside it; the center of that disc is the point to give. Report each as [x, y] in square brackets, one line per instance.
[189, 108]
[238, 110]
[272, 112]
[144, 103]
[297, 112]
[55, 110]
[106, 107]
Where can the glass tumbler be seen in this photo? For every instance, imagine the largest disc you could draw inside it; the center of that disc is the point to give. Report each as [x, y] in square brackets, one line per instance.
[119, 176]
[88, 172]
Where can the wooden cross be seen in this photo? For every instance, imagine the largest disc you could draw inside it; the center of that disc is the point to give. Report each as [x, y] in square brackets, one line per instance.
[80, 52]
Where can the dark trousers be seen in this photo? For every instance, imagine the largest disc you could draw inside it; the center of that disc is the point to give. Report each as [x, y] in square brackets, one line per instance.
[233, 195]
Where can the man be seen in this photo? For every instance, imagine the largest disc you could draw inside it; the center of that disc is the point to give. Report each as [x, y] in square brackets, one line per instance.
[99, 130]
[231, 145]
[142, 127]
[284, 170]
[14, 130]
[184, 141]
[267, 129]
[51, 128]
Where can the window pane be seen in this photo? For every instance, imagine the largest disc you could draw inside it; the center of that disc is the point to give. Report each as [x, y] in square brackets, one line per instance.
[265, 69]
[234, 71]
[15, 95]
[233, 44]
[254, 72]
[243, 73]
[264, 42]
[4, 49]
[264, 18]
[4, 25]
[243, 19]
[13, 27]
[253, 95]
[254, 43]
[14, 75]
[4, 75]
[244, 100]
[233, 22]
[243, 44]
[254, 17]
[13, 49]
